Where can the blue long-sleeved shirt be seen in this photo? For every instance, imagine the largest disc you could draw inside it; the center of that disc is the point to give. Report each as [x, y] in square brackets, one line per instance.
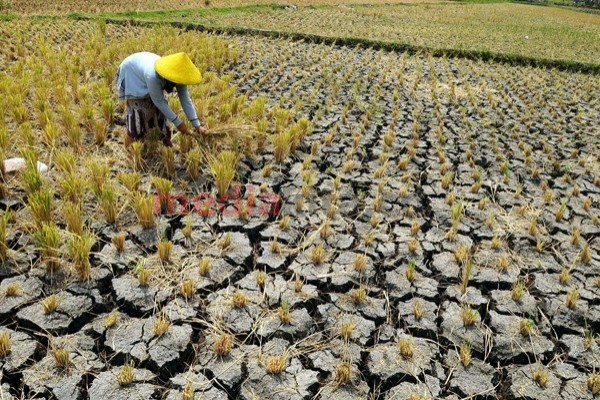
[137, 79]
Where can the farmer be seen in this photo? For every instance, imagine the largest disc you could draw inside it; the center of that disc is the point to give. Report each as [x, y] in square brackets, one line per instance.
[142, 80]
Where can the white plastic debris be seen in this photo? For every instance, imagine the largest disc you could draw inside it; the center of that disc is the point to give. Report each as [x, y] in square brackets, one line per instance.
[17, 164]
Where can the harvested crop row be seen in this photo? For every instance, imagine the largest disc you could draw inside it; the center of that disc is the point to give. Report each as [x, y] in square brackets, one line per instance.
[505, 28]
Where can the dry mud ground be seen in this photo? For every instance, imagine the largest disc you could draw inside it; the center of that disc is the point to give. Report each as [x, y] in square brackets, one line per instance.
[450, 209]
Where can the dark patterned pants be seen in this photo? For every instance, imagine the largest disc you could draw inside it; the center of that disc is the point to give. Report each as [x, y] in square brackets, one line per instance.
[143, 117]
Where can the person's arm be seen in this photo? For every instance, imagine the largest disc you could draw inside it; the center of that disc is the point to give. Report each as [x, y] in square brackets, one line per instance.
[187, 105]
[158, 98]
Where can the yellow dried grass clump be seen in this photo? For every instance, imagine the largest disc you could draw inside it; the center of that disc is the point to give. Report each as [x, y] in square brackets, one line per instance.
[343, 373]
[62, 357]
[223, 168]
[276, 365]
[125, 377]
[223, 345]
[239, 299]
[161, 326]
[5, 344]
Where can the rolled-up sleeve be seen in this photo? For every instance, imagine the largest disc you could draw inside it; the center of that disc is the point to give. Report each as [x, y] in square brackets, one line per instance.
[158, 98]
[187, 105]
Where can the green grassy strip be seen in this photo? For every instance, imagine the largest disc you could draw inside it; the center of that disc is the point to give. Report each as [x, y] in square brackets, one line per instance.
[511, 59]
[171, 13]
[7, 17]
[12, 17]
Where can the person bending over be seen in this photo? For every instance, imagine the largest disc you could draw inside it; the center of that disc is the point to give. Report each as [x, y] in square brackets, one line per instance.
[143, 80]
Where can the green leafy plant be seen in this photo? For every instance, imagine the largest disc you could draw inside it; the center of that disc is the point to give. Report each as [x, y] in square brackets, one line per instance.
[47, 238]
[3, 234]
[40, 205]
[411, 270]
[65, 161]
[79, 249]
[108, 203]
[72, 188]
[98, 174]
[131, 181]
[31, 178]
[73, 215]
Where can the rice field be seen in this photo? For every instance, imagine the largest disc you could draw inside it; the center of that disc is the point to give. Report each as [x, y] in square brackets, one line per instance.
[503, 28]
[39, 7]
[362, 224]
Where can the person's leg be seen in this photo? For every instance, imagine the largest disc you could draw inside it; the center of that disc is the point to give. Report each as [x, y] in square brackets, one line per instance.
[166, 132]
[135, 122]
[159, 122]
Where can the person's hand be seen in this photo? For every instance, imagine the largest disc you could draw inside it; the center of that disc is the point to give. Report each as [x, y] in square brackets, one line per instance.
[201, 130]
[182, 128]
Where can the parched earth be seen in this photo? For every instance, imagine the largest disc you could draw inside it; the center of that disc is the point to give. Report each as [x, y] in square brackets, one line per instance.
[439, 208]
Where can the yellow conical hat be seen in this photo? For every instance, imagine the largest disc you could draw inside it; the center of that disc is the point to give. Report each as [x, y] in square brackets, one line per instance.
[178, 68]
